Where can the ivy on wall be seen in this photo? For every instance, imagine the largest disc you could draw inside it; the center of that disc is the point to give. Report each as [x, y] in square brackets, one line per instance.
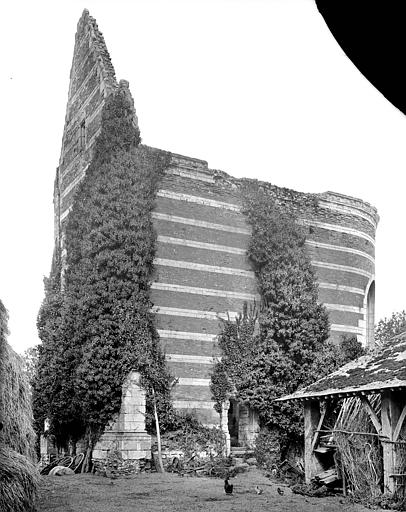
[99, 327]
[281, 346]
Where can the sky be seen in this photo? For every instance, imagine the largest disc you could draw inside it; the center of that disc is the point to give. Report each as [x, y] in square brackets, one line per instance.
[258, 88]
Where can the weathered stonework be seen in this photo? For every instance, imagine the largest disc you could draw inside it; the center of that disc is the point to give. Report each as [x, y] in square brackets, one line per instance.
[202, 272]
[126, 435]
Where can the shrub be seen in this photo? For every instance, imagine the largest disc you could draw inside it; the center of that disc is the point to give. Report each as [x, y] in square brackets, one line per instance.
[267, 448]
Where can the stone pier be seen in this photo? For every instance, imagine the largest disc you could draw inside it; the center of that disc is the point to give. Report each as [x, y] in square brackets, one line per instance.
[126, 439]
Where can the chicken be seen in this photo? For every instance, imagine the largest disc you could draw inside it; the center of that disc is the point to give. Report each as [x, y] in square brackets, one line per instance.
[228, 487]
[258, 490]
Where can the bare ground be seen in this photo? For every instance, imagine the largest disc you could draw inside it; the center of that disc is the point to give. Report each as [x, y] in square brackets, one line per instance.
[172, 493]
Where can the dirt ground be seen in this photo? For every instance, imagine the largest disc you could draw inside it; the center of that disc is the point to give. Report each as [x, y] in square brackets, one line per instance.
[172, 493]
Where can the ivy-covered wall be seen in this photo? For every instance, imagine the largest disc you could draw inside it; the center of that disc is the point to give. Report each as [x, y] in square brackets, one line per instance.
[201, 269]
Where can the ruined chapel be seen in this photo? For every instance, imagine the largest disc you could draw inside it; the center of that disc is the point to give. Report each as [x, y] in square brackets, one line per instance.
[202, 272]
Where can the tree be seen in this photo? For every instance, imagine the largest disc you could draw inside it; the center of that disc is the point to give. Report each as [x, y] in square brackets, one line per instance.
[100, 326]
[285, 350]
[53, 386]
[30, 360]
[389, 327]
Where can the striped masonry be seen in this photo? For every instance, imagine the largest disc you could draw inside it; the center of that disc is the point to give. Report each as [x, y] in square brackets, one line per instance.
[203, 274]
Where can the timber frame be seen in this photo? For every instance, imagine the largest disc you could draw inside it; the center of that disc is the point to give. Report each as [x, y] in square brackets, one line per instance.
[380, 373]
[387, 429]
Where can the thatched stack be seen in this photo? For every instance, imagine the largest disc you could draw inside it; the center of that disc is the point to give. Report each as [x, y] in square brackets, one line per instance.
[359, 448]
[18, 432]
[18, 475]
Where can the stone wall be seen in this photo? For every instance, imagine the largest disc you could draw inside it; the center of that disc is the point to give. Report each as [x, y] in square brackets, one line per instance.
[202, 272]
[125, 439]
[92, 79]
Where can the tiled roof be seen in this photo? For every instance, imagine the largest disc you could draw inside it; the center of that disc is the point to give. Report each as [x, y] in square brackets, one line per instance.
[383, 369]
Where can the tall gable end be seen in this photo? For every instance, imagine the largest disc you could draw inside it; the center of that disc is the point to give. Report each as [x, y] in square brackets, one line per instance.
[90, 49]
[92, 79]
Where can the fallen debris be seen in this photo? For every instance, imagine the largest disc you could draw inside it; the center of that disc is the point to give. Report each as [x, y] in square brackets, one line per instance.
[312, 490]
[327, 477]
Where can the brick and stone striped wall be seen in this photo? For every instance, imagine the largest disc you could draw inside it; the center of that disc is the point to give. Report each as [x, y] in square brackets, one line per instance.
[201, 269]
[202, 272]
[92, 79]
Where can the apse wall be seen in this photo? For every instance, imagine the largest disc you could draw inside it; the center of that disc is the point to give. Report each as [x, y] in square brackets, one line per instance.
[202, 271]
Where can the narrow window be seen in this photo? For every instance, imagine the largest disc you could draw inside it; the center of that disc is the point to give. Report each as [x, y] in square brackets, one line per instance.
[82, 135]
[370, 316]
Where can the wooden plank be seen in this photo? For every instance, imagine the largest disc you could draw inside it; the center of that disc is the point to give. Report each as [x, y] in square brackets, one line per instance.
[391, 411]
[311, 420]
[399, 424]
[372, 414]
[319, 426]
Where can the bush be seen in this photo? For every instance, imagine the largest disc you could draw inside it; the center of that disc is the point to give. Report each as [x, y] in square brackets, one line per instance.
[191, 437]
[99, 327]
[267, 449]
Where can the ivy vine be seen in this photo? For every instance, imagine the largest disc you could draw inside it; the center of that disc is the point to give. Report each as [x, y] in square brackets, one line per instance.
[100, 326]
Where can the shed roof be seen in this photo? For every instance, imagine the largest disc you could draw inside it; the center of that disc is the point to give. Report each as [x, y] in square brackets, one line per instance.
[384, 369]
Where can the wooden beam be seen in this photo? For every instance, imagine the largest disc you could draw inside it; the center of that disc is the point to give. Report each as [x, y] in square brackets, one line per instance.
[311, 420]
[328, 406]
[399, 424]
[372, 414]
[392, 410]
[319, 426]
[388, 451]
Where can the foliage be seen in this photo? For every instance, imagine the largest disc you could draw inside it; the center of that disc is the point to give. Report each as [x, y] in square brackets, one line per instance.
[221, 386]
[235, 343]
[190, 436]
[53, 390]
[267, 449]
[389, 327]
[30, 361]
[101, 327]
[283, 347]
[119, 131]
[333, 356]
[349, 349]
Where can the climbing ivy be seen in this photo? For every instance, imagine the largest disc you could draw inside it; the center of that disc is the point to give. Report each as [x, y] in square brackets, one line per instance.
[278, 349]
[100, 326]
[53, 388]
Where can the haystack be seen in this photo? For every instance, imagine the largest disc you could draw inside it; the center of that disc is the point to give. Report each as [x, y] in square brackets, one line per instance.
[359, 447]
[19, 481]
[18, 475]
[18, 432]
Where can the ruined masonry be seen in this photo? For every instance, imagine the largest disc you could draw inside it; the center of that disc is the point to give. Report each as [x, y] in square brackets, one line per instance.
[202, 270]
[126, 434]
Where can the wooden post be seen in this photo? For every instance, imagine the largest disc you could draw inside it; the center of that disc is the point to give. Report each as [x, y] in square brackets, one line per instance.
[311, 421]
[160, 467]
[391, 414]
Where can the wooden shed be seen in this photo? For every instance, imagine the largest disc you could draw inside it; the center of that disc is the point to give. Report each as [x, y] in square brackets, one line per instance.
[379, 377]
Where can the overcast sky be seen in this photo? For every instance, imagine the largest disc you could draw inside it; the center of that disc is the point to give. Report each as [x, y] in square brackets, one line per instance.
[257, 88]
